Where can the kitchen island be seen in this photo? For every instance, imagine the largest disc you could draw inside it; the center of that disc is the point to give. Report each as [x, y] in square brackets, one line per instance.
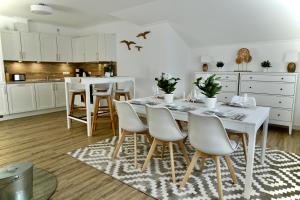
[86, 83]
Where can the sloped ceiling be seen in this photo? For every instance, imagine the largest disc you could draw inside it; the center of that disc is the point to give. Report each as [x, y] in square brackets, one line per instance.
[199, 22]
[214, 22]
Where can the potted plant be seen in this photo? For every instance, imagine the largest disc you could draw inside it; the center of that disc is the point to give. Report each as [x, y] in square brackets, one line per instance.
[220, 64]
[210, 88]
[167, 84]
[108, 71]
[266, 65]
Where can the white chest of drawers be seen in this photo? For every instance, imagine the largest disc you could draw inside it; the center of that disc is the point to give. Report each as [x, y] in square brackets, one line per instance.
[276, 90]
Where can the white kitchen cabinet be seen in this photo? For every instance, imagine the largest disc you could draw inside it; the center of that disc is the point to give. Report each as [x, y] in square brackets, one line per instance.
[11, 45]
[3, 100]
[45, 96]
[78, 49]
[64, 48]
[60, 96]
[30, 45]
[102, 47]
[111, 47]
[48, 48]
[91, 48]
[21, 98]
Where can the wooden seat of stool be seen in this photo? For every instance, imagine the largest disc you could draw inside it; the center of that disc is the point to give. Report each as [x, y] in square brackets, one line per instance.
[73, 107]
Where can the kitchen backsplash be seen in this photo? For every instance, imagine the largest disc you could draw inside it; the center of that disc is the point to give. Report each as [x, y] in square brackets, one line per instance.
[34, 71]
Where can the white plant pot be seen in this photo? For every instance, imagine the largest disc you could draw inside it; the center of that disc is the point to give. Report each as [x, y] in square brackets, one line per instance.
[210, 103]
[107, 74]
[169, 98]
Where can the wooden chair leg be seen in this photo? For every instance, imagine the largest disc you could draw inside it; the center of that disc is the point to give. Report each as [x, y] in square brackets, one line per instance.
[184, 151]
[189, 170]
[149, 138]
[219, 177]
[111, 115]
[128, 96]
[179, 124]
[202, 164]
[151, 151]
[95, 115]
[72, 106]
[117, 148]
[244, 141]
[172, 162]
[84, 99]
[163, 147]
[117, 97]
[231, 169]
[135, 150]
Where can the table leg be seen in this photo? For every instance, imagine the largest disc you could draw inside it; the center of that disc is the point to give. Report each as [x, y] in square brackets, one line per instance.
[250, 161]
[88, 110]
[264, 140]
[67, 105]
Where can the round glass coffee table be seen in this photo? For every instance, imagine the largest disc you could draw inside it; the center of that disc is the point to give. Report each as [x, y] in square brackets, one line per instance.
[44, 184]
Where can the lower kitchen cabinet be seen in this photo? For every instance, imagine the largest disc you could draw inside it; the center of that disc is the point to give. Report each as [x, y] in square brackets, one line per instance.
[45, 95]
[21, 98]
[3, 100]
[60, 96]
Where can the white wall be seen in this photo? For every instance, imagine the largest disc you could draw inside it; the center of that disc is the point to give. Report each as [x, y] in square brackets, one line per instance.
[260, 51]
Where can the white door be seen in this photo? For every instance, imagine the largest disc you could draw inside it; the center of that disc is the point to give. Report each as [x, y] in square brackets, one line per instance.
[3, 100]
[78, 49]
[48, 47]
[64, 48]
[21, 98]
[11, 45]
[30, 46]
[111, 47]
[60, 96]
[45, 95]
[91, 48]
[102, 47]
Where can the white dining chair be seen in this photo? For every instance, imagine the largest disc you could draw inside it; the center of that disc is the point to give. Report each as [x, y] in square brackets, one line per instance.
[247, 102]
[208, 136]
[130, 125]
[164, 129]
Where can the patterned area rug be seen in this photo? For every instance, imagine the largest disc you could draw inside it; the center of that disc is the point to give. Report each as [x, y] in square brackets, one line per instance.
[279, 178]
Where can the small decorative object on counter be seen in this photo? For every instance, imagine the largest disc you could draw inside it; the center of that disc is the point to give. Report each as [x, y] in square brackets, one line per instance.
[220, 64]
[291, 58]
[205, 60]
[108, 72]
[243, 57]
[266, 65]
[210, 88]
[167, 84]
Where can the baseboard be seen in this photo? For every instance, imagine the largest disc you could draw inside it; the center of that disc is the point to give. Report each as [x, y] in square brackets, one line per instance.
[295, 127]
[28, 114]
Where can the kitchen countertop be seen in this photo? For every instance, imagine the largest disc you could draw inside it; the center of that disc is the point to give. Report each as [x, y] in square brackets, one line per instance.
[36, 81]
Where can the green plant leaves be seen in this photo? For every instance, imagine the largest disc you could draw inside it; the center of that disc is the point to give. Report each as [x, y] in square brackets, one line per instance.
[167, 85]
[210, 88]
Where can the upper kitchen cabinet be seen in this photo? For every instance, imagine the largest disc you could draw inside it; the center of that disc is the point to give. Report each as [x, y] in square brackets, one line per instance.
[48, 48]
[91, 48]
[78, 49]
[64, 48]
[11, 45]
[30, 45]
[111, 47]
[102, 47]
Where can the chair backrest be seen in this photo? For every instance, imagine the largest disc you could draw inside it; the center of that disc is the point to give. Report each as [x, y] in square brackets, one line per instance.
[162, 124]
[246, 101]
[103, 89]
[75, 84]
[207, 134]
[124, 86]
[128, 119]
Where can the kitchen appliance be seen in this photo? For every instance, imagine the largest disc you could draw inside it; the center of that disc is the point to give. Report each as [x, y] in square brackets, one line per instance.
[19, 77]
[16, 181]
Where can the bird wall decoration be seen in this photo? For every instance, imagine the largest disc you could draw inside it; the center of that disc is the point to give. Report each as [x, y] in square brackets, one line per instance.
[128, 43]
[144, 34]
[139, 48]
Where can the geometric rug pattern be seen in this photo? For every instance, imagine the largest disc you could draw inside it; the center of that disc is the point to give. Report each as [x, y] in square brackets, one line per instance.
[278, 178]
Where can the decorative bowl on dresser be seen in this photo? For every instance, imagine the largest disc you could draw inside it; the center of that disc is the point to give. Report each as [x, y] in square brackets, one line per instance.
[276, 90]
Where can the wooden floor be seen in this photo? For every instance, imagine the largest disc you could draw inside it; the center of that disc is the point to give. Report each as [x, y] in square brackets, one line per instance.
[45, 140]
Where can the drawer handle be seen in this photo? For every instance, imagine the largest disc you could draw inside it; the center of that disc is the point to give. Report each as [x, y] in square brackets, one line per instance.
[282, 78]
[278, 115]
[226, 97]
[227, 76]
[250, 87]
[279, 102]
[281, 89]
[250, 77]
[226, 85]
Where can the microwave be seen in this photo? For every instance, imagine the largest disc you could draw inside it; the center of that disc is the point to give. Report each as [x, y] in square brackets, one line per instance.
[18, 77]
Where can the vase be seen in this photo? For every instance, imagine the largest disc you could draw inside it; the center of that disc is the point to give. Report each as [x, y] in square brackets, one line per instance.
[265, 69]
[291, 67]
[169, 98]
[210, 103]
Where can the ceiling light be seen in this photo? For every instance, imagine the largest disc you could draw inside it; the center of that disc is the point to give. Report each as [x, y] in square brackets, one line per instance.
[41, 9]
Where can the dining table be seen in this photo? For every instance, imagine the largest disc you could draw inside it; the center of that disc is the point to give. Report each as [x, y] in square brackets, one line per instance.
[238, 119]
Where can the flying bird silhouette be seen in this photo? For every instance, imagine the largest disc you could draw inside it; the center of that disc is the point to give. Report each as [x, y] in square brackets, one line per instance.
[144, 34]
[128, 43]
[139, 48]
